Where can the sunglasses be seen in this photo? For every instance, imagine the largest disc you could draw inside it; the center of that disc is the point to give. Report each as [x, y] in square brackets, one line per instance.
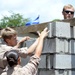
[67, 11]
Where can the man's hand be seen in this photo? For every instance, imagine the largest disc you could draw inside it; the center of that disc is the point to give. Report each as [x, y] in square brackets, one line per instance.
[44, 33]
[24, 39]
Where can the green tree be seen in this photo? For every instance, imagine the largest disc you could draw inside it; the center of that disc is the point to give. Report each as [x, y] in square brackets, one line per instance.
[13, 21]
[55, 20]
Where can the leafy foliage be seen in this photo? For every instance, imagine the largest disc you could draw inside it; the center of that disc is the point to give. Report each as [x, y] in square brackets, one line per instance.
[13, 21]
[55, 20]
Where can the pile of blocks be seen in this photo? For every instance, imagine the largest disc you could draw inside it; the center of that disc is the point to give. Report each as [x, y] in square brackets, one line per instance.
[58, 56]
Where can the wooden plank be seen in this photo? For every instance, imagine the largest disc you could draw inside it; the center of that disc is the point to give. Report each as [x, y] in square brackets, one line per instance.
[31, 29]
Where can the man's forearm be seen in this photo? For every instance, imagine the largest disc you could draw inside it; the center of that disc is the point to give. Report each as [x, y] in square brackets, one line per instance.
[39, 47]
[33, 46]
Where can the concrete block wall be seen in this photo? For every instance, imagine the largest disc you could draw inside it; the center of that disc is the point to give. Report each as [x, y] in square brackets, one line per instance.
[58, 56]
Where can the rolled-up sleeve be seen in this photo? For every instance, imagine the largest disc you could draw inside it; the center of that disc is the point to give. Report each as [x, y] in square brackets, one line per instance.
[32, 66]
[35, 60]
[23, 52]
[4, 48]
[29, 69]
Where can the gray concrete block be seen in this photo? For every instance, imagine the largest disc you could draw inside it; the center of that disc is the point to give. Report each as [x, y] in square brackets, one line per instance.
[46, 72]
[64, 61]
[73, 61]
[72, 72]
[64, 72]
[72, 46]
[50, 61]
[60, 29]
[43, 62]
[74, 31]
[46, 61]
[29, 42]
[55, 72]
[55, 45]
[50, 30]
[22, 44]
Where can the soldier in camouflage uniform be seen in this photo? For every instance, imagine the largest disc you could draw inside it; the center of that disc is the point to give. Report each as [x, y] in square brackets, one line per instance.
[10, 38]
[13, 60]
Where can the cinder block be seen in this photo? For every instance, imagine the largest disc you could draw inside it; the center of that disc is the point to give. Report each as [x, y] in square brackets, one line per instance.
[74, 31]
[46, 72]
[55, 45]
[55, 72]
[72, 72]
[72, 46]
[50, 30]
[73, 61]
[28, 43]
[22, 44]
[60, 29]
[50, 61]
[64, 61]
[46, 61]
[43, 62]
[64, 72]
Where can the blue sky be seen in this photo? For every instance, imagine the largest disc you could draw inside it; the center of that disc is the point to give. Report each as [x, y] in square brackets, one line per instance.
[47, 9]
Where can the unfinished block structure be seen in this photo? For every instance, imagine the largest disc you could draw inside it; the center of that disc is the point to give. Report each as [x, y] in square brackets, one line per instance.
[58, 56]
